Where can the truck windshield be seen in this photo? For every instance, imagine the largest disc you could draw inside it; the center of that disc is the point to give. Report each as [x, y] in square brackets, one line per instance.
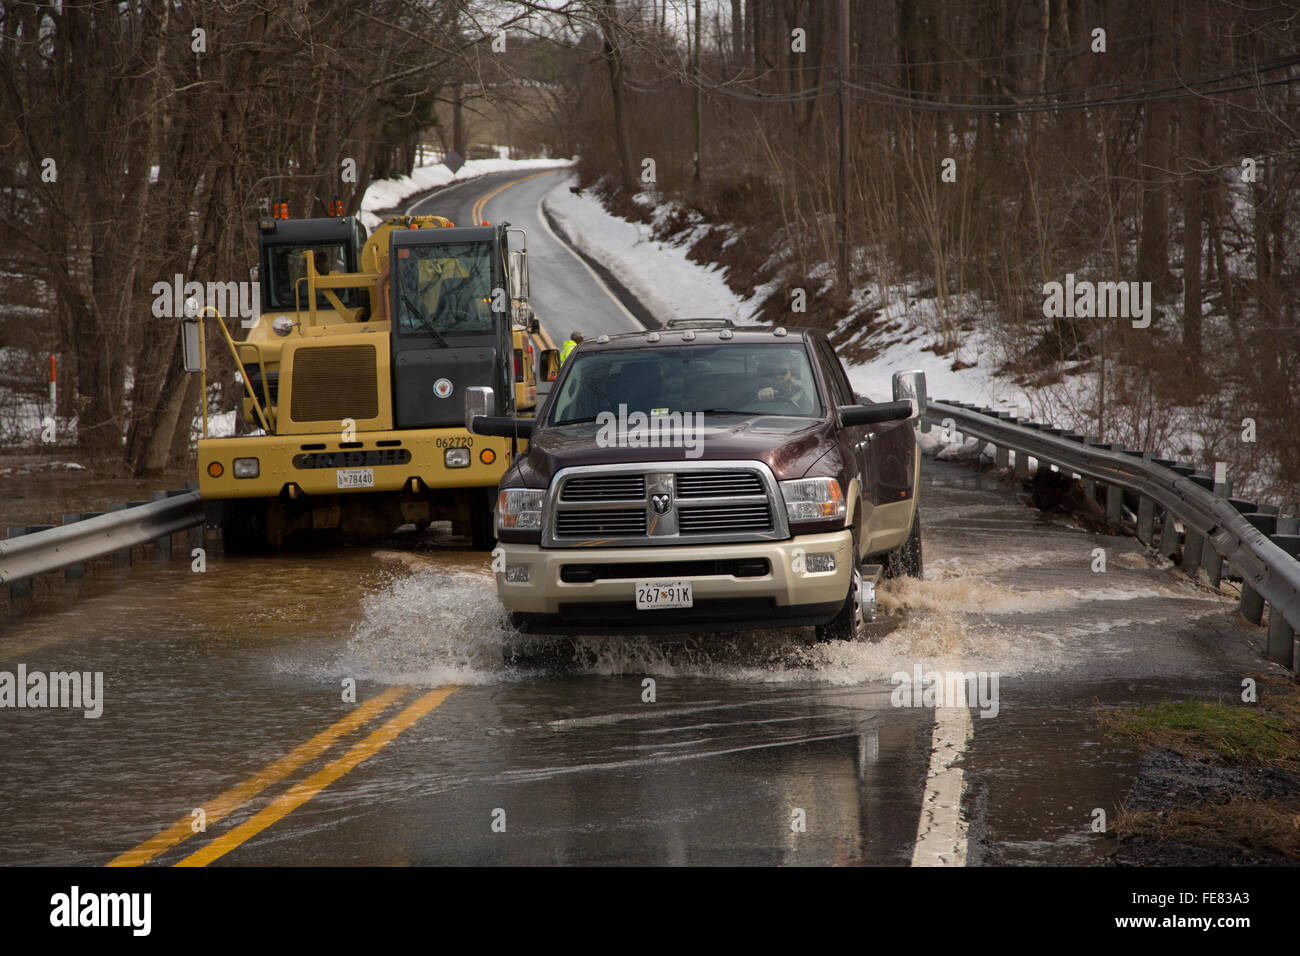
[714, 379]
[285, 265]
[444, 288]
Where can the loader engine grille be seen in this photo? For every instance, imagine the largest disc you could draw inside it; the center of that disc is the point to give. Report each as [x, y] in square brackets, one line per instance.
[334, 383]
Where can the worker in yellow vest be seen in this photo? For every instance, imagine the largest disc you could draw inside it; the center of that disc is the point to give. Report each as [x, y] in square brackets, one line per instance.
[572, 343]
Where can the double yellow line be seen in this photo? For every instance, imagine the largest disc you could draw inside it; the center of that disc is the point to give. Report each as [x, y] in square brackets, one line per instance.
[476, 215]
[236, 797]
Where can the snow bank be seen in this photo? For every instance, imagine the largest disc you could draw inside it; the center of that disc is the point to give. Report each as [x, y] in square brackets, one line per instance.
[670, 285]
[658, 274]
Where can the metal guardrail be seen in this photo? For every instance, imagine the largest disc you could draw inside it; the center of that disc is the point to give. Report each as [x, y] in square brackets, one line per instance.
[1266, 563]
[77, 542]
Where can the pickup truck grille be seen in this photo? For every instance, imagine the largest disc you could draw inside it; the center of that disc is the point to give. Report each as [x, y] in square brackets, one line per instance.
[604, 488]
[665, 505]
[717, 484]
[728, 518]
[601, 524]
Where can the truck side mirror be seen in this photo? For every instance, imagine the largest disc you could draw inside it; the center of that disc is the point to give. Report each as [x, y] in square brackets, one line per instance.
[534, 326]
[550, 364]
[192, 354]
[910, 386]
[480, 401]
[852, 416]
[519, 274]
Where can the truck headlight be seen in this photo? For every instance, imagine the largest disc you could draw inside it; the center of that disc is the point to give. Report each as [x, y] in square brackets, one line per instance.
[813, 499]
[246, 468]
[520, 509]
[456, 458]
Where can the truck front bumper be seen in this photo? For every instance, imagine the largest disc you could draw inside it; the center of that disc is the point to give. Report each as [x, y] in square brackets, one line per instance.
[310, 464]
[732, 588]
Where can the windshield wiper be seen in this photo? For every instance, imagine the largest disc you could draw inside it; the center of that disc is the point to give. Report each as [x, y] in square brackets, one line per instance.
[424, 319]
[726, 411]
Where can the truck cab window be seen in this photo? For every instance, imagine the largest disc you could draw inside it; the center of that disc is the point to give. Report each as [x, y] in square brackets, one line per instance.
[443, 287]
[286, 271]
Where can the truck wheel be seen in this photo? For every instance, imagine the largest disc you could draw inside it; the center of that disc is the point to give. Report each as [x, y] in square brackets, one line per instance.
[243, 527]
[851, 623]
[906, 558]
[482, 519]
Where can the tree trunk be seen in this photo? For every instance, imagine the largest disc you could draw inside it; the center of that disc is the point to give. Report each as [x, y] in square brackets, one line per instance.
[613, 54]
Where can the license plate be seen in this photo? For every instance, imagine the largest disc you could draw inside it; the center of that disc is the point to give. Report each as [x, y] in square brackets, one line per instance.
[656, 595]
[355, 477]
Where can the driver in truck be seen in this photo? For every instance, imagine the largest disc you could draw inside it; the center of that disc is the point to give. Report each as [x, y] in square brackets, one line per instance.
[786, 386]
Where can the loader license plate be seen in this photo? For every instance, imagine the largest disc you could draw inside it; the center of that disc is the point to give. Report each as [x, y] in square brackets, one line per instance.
[656, 595]
[355, 477]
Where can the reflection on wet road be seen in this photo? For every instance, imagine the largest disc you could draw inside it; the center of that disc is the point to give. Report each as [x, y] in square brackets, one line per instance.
[742, 748]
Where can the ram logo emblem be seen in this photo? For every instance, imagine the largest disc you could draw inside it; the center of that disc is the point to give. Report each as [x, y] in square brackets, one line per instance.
[661, 503]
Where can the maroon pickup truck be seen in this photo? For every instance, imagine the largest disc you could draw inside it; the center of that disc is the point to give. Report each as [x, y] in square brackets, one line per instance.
[705, 479]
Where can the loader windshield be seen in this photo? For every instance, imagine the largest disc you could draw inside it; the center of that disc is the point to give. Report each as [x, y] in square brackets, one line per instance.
[443, 288]
[286, 270]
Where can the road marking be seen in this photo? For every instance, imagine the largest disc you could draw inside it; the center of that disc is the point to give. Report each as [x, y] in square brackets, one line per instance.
[300, 793]
[237, 796]
[476, 214]
[941, 831]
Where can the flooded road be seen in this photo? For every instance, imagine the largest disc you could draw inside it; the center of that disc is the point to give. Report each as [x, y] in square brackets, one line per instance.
[369, 704]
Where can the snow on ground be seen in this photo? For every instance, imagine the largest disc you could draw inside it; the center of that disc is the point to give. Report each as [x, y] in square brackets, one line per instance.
[390, 193]
[658, 274]
[670, 285]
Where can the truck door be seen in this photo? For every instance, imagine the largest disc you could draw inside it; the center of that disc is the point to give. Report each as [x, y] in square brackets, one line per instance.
[859, 440]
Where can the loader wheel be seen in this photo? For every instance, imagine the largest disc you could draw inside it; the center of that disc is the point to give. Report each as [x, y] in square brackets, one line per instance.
[243, 527]
[482, 519]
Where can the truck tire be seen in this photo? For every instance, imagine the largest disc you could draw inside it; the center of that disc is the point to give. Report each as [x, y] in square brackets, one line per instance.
[850, 624]
[482, 519]
[906, 559]
[243, 527]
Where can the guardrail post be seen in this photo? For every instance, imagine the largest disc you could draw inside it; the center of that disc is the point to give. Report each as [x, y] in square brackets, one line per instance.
[1194, 543]
[23, 588]
[1252, 604]
[195, 535]
[1146, 529]
[1281, 637]
[1210, 558]
[1286, 524]
[162, 547]
[73, 572]
[1090, 484]
[1115, 505]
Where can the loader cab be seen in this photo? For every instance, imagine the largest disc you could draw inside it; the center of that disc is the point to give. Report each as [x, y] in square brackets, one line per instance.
[335, 244]
[451, 322]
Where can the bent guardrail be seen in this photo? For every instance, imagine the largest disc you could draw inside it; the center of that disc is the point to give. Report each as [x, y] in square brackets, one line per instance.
[1259, 545]
[75, 543]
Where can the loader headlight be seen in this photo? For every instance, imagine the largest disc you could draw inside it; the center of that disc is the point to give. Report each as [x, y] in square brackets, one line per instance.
[813, 499]
[519, 509]
[246, 468]
[456, 458]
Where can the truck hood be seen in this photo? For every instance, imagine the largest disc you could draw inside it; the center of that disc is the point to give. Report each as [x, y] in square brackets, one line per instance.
[788, 446]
